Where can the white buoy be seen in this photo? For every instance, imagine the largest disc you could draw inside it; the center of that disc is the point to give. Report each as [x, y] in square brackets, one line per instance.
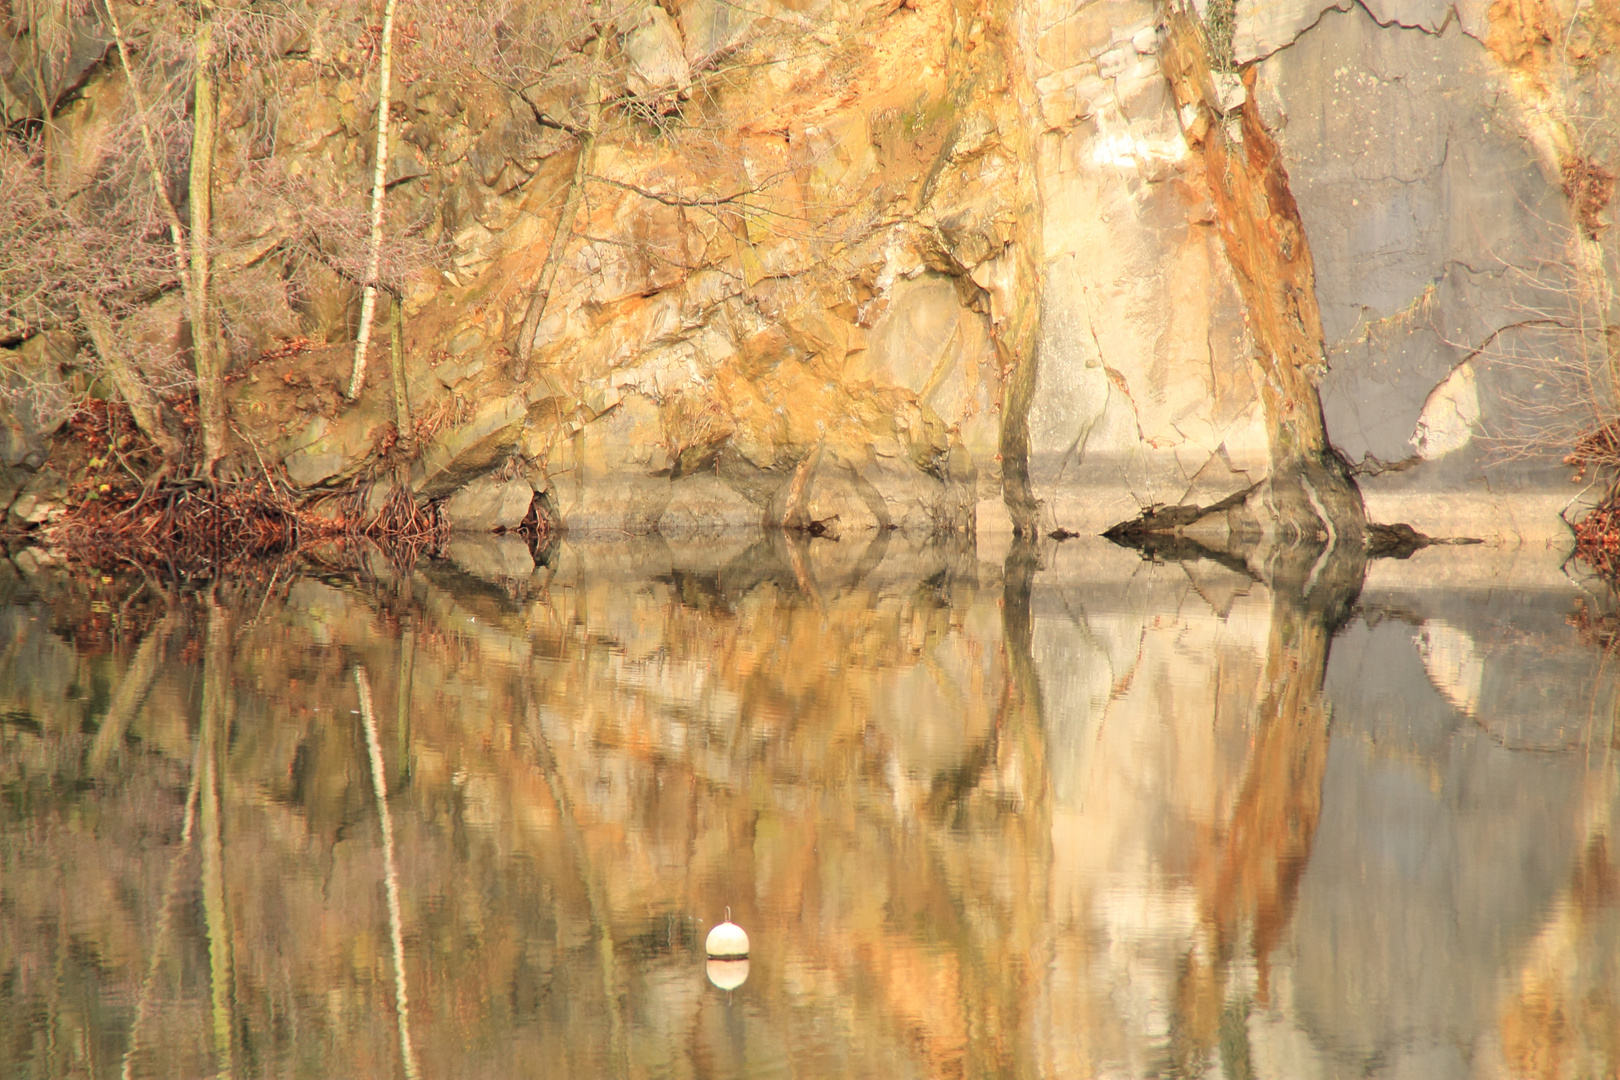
[727, 941]
[728, 974]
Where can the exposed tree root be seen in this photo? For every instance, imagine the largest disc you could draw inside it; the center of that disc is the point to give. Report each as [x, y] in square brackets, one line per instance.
[125, 507]
[1159, 521]
[1162, 532]
[185, 526]
[193, 527]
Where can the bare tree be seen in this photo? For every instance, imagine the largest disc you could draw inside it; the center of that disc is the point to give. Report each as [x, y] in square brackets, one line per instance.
[58, 48]
[379, 175]
[74, 265]
[565, 221]
[204, 345]
[131, 387]
[149, 149]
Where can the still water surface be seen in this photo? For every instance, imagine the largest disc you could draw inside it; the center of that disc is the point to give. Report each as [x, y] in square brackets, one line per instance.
[1038, 814]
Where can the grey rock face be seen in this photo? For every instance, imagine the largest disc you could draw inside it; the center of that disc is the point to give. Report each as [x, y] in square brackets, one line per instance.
[1423, 206]
[34, 398]
[1442, 242]
[1262, 27]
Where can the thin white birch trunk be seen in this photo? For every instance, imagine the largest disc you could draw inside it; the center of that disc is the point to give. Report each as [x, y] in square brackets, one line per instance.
[379, 175]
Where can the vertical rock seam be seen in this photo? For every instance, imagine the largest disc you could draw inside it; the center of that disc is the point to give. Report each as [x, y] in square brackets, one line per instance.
[1016, 342]
[999, 83]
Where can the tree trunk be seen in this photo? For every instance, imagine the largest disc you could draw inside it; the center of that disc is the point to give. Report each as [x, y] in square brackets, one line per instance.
[565, 221]
[204, 346]
[1265, 244]
[47, 134]
[379, 176]
[402, 398]
[1017, 334]
[1310, 491]
[127, 381]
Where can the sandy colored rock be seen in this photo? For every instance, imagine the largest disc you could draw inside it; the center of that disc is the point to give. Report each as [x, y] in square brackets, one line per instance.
[470, 449]
[489, 505]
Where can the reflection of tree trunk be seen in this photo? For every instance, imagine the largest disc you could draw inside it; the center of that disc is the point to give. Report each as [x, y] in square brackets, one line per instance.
[1018, 715]
[1250, 882]
[165, 919]
[1018, 626]
[1025, 943]
[999, 961]
[402, 707]
[132, 690]
[396, 934]
[595, 897]
[213, 741]
[1269, 838]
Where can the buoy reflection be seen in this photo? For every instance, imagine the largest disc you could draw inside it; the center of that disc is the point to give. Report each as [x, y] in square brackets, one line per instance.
[728, 974]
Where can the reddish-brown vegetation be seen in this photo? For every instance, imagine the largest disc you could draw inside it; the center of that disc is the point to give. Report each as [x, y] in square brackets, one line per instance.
[1597, 533]
[1597, 539]
[114, 517]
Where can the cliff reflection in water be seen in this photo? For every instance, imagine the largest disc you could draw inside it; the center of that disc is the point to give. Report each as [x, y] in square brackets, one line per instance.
[1059, 814]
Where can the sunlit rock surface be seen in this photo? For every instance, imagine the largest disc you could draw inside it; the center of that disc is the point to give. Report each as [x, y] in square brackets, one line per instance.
[1145, 393]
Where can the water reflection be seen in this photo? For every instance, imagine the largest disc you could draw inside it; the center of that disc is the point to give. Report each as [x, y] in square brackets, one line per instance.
[1054, 813]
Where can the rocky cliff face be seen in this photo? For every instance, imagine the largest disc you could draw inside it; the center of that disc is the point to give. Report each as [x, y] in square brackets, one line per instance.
[946, 266]
[796, 301]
